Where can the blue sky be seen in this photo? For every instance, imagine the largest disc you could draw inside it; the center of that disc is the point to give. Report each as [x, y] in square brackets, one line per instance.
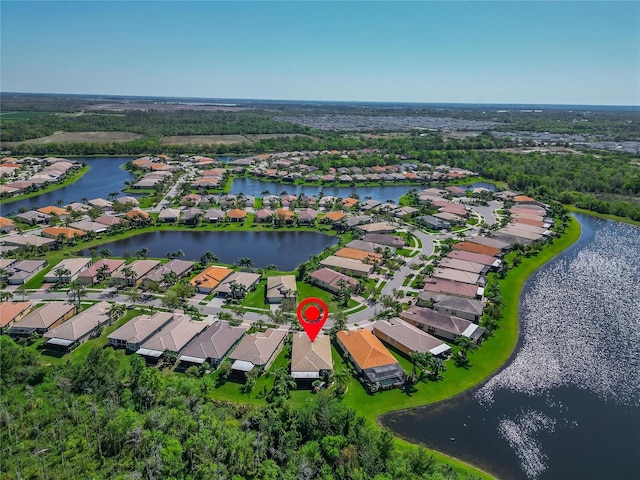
[480, 52]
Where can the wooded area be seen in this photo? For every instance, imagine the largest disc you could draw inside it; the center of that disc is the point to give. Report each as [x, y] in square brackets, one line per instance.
[107, 417]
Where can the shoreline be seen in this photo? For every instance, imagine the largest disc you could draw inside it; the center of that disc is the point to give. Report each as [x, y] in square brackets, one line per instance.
[52, 188]
[513, 290]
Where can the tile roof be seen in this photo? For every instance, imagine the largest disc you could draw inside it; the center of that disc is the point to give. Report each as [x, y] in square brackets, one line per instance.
[10, 310]
[211, 277]
[308, 356]
[365, 349]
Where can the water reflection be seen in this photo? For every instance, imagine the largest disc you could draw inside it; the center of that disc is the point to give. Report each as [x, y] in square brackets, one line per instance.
[566, 406]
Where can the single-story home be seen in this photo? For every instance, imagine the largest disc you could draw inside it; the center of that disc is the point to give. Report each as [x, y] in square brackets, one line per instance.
[140, 268]
[12, 312]
[347, 266]
[456, 275]
[21, 271]
[174, 337]
[209, 279]
[179, 267]
[257, 350]
[91, 275]
[89, 226]
[138, 330]
[213, 344]
[279, 287]
[432, 222]
[395, 241]
[169, 215]
[80, 328]
[73, 266]
[438, 285]
[372, 360]
[43, 318]
[408, 339]
[66, 232]
[378, 227]
[331, 280]
[442, 325]
[310, 360]
[363, 256]
[246, 279]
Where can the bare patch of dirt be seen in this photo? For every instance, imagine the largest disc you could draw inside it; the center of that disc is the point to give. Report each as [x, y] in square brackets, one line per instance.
[84, 137]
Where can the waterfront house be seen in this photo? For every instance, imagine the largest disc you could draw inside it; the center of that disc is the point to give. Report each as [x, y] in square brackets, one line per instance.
[464, 265]
[179, 267]
[207, 280]
[61, 213]
[477, 248]
[101, 203]
[43, 318]
[139, 269]
[280, 287]
[438, 285]
[443, 325]
[236, 215]
[307, 216]
[257, 350]
[138, 330]
[169, 215]
[467, 308]
[89, 226]
[456, 275]
[408, 338]
[108, 220]
[263, 215]
[212, 345]
[246, 279]
[80, 328]
[310, 360]
[92, 274]
[64, 232]
[214, 215]
[376, 365]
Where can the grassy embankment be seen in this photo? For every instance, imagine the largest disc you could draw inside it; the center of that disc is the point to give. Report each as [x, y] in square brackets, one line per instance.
[77, 175]
[606, 216]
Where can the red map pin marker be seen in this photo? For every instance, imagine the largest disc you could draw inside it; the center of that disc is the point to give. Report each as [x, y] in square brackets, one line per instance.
[312, 313]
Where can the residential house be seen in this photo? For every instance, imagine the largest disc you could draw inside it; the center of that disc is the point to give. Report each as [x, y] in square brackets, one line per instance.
[443, 325]
[363, 256]
[101, 203]
[236, 215]
[281, 286]
[43, 318]
[378, 227]
[80, 328]
[310, 360]
[307, 216]
[73, 266]
[103, 267]
[139, 270]
[432, 222]
[347, 266]
[257, 350]
[209, 279]
[169, 215]
[395, 241]
[212, 345]
[487, 260]
[89, 226]
[33, 218]
[179, 267]
[12, 312]
[331, 280]
[464, 265]
[64, 232]
[263, 215]
[108, 220]
[489, 242]
[408, 338]
[376, 365]
[61, 213]
[467, 308]
[20, 272]
[173, 338]
[138, 330]
[246, 279]
[437, 285]
[477, 248]
[6, 225]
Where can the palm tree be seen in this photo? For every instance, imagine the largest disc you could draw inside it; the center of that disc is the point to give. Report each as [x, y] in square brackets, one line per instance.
[341, 379]
[171, 278]
[62, 273]
[103, 272]
[245, 262]
[142, 253]
[238, 290]
[282, 383]
[116, 311]
[207, 257]
[105, 252]
[5, 296]
[130, 276]
[76, 292]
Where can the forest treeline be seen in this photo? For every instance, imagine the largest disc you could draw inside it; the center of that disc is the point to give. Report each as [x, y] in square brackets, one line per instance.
[100, 419]
[148, 123]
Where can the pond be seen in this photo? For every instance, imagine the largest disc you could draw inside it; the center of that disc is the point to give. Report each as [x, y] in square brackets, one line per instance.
[382, 193]
[104, 176]
[286, 249]
[566, 405]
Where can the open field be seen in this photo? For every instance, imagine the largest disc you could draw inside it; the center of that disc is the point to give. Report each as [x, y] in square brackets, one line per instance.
[82, 137]
[23, 115]
[225, 139]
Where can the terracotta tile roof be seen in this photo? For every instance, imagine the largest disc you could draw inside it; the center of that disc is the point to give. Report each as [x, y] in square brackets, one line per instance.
[362, 255]
[6, 222]
[10, 310]
[236, 213]
[365, 349]
[211, 277]
[477, 248]
[136, 213]
[335, 216]
[53, 232]
[51, 210]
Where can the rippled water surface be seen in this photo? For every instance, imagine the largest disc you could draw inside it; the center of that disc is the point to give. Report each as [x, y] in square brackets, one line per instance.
[567, 404]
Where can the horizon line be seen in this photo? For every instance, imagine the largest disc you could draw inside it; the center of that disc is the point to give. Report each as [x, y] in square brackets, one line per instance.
[275, 100]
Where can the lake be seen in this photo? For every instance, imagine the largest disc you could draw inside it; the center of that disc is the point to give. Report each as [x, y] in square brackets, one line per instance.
[286, 249]
[104, 176]
[382, 193]
[566, 404]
